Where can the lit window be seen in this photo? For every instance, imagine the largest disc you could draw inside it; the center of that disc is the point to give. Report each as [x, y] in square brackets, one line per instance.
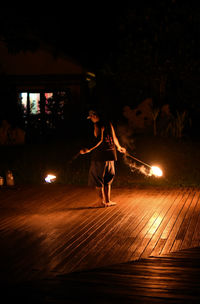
[23, 97]
[48, 95]
[34, 102]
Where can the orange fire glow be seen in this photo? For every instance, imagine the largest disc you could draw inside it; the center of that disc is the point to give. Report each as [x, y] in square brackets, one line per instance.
[156, 171]
[50, 178]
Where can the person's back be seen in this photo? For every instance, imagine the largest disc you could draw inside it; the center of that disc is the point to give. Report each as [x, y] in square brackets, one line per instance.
[105, 151]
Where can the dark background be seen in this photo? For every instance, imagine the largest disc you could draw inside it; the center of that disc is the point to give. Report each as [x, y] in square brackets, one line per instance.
[150, 49]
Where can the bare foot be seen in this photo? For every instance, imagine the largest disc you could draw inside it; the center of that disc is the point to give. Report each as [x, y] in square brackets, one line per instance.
[109, 204]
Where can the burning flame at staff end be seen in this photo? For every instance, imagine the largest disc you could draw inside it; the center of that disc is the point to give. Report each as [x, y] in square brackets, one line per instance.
[50, 178]
[152, 170]
[156, 171]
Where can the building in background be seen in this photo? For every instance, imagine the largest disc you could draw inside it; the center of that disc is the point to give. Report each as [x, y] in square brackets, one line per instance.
[41, 88]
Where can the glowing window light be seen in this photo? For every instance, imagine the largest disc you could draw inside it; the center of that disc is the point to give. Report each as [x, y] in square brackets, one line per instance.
[48, 95]
[24, 100]
[34, 102]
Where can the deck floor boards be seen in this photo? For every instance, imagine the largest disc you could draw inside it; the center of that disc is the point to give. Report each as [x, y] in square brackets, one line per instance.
[56, 231]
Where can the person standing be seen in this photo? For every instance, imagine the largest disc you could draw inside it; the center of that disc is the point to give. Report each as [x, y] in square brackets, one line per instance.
[104, 155]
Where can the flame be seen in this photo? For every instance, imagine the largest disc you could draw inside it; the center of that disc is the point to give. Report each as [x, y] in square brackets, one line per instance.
[156, 171]
[50, 178]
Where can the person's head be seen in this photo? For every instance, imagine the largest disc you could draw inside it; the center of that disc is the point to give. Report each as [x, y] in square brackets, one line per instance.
[93, 115]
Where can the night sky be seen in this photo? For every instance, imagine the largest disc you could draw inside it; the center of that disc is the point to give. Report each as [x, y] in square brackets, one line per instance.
[99, 35]
[87, 35]
[131, 48]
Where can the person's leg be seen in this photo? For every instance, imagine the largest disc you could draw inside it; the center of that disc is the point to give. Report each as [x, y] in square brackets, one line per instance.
[107, 194]
[95, 179]
[100, 196]
[107, 191]
[109, 176]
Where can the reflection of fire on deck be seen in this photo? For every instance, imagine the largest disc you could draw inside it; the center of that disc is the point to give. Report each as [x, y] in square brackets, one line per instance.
[55, 229]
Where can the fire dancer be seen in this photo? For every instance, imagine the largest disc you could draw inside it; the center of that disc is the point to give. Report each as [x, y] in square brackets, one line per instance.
[104, 155]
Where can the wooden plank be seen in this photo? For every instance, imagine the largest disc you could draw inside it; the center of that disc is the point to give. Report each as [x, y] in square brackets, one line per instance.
[69, 257]
[51, 230]
[166, 279]
[163, 238]
[184, 226]
[140, 214]
[155, 233]
[159, 239]
[134, 251]
[187, 241]
[100, 249]
[75, 240]
[172, 227]
[122, 241]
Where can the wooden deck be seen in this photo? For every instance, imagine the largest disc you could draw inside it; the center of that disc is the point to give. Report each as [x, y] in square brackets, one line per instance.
[57, 233]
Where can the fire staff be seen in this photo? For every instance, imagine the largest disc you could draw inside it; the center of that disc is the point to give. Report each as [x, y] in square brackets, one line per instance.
[104, 155]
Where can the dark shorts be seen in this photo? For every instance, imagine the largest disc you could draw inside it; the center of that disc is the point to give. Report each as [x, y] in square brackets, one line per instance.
[101, 173]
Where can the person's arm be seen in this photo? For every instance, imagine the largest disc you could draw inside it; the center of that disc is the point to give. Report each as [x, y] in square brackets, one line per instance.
[86, 150]
[116, 141]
